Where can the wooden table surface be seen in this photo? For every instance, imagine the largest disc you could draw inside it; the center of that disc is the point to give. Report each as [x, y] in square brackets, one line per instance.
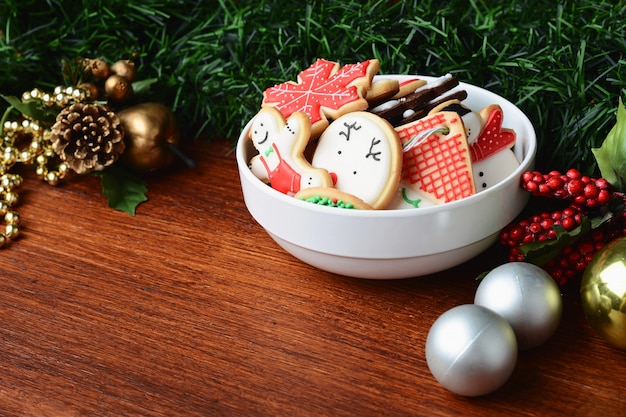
[190, 309]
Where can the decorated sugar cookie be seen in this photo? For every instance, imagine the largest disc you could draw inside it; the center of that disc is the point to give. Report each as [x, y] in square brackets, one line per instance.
[415, 105]
[490, 144]
[363, 155]
[281, 145]
[492, 156]
[382, 90]
[332, 197]
[324, 90]
[437, 159]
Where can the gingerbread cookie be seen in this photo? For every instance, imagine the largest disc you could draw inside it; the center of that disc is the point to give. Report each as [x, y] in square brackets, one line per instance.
[281, 144]
[437, 158]
[363, 155]
[324, 90]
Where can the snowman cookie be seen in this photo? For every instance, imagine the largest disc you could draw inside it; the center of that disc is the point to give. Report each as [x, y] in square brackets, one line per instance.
[281, 144]
[363, 155]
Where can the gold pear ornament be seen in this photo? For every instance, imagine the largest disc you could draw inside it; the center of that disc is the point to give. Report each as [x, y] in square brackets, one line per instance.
[151, 135]
[603, 292]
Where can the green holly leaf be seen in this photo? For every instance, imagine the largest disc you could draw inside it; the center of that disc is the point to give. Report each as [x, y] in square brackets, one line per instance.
[124, 189]
[540, 253]
[611, 155]
[32, 109]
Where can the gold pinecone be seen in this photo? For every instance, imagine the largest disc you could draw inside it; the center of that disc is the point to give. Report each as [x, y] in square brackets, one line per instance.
[88, 137]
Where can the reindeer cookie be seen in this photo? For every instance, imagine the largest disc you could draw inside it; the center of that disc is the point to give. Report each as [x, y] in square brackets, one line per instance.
[363, 155]
[281, 144]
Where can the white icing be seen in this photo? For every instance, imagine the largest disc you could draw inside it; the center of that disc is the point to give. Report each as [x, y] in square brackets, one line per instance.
[360, 155]
[416, 199]
[490, 171]
[434, 83]
[473, 125]
[385, 106]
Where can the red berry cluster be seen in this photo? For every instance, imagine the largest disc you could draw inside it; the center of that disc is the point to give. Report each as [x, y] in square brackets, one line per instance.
[579, 189]
[583, 197]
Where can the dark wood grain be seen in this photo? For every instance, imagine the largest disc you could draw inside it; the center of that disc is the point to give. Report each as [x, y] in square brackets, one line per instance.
[190, 309]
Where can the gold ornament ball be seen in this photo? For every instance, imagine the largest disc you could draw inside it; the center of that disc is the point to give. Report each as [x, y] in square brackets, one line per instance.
[603, 292]
[99, 68]
[118, 89]
[125, 68]
[150, 130]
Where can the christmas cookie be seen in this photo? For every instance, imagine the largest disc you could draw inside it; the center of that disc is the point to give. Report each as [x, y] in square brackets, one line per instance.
[418, 103]
[363, 155]
[382, 90]
[332, 197]
[492, 156]
[436, 160]
[281, 144]
[324, 90]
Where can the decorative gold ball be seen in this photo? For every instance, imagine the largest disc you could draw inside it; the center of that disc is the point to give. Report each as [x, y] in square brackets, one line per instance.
[124, 68]
[99, 68]
[603, 292]
[11, 231]
[12, 217]
[11, 198]
[118, 89]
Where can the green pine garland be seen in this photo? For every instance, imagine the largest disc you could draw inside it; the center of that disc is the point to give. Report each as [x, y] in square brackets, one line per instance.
[561, 62]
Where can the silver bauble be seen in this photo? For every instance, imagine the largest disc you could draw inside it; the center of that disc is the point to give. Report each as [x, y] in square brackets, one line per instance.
[527, 297]
[471, 350]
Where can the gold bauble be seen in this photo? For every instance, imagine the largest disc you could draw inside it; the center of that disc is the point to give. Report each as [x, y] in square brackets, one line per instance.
[118, 89]
[124, 68]
[603, 292]
[98, 68]
[150, 130]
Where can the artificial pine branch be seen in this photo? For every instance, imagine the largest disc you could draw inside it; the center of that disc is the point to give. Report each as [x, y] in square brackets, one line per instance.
[561, 62]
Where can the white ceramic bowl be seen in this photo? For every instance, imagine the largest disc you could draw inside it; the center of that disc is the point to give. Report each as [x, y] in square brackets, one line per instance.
[388, 244]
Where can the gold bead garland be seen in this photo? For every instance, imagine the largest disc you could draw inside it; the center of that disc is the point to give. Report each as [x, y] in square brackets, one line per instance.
[36, 149]
[61, 96]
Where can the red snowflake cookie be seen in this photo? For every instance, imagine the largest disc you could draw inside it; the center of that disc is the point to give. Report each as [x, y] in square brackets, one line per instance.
[324, 90]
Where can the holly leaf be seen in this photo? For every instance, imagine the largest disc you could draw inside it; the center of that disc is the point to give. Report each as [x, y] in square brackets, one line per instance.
[32, 109]
[540, 253]
[322, 87]
[611, 155]
[124, 190]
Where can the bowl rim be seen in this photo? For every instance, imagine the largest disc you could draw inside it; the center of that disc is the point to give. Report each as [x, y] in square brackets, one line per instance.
[528, 157]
